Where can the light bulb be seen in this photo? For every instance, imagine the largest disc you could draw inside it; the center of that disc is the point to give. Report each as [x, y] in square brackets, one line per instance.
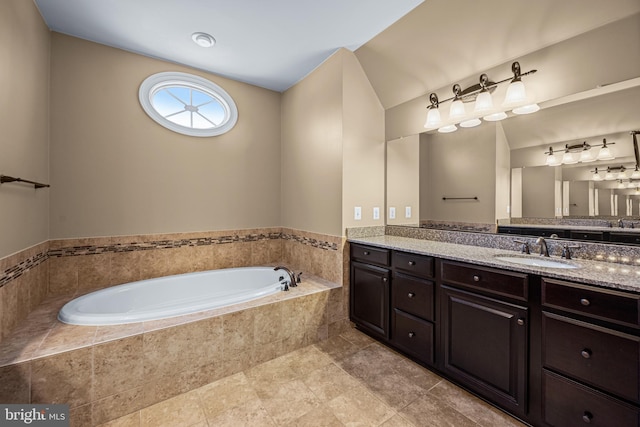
[433, 118]
[495, 116]
[448, 129]
[470, 123]
[526, 109]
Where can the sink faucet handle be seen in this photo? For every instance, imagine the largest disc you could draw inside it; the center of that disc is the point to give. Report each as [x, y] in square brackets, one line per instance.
[525, 246]
[298, 279]
[566, 250]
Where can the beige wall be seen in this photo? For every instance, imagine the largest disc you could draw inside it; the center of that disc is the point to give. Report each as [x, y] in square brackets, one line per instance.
[332, 149]
[538, 195]
[24, 120]
[503, 174]
[114, 171]
[403, 179]
[363, 147]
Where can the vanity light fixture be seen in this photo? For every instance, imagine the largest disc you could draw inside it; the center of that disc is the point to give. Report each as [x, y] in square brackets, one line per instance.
[552, 158]
[596, 175]
[580, 153]
[515, 100]
[605, 152]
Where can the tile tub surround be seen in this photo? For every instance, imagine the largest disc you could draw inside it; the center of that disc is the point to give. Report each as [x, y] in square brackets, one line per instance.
[107, 372]
[76, 266]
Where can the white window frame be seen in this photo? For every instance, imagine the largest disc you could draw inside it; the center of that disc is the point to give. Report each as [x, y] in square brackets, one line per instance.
[159, 81]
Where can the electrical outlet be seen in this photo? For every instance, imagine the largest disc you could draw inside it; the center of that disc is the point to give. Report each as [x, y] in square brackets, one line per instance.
[357, 213]
[376, 213]
[392, 213]
[407, 212]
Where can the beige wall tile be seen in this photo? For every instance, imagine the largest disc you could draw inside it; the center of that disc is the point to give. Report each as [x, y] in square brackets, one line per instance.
[39, 284]
[81, 416]
[117, 405]
[63, 275]
[269, 326]
[125, 267]
[94, 271]
[238, 332]
[63, 378]
[15, 384]
[183, 410]
[9, 312]
[64, 337]
[117, 366]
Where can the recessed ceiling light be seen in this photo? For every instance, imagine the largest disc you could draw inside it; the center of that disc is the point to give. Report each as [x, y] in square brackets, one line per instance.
[203, 39]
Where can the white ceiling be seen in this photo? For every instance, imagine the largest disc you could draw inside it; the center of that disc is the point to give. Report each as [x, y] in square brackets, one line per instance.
[272, 44]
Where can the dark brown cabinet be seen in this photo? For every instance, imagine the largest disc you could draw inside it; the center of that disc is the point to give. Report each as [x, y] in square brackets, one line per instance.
[369, 298]
[485, 345]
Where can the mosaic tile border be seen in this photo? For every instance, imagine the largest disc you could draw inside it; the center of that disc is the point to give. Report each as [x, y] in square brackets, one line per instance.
[18, 270]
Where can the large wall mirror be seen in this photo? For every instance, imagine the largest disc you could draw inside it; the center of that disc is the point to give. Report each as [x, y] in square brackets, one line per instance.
[498, 172]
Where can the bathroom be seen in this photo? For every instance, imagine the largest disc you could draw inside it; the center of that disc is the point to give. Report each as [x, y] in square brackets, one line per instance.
[130, 200]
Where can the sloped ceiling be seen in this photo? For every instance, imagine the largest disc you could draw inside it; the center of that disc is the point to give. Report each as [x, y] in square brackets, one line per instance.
[442, 42]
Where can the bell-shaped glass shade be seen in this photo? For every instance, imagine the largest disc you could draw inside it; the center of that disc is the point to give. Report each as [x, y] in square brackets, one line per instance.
[526, 109]
[484, 102]
[552, 159]
[516, 94]
[433, 118]
[586, 156]
[456, 111]
[610, 176]
[569, 158]
[448, 129]
[597, 176]
[470, 123]
[605, 154]
[635, 174]
[501, 115]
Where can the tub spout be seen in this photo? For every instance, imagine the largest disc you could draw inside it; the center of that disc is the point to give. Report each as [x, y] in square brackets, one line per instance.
[292, 278]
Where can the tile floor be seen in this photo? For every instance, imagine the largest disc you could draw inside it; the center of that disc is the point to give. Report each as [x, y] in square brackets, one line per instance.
[348, 380]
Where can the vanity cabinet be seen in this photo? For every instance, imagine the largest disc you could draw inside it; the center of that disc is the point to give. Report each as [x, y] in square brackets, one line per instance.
[485, 321]
[590, 356]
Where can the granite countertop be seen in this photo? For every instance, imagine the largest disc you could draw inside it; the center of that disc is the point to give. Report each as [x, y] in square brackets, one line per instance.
[604, 274]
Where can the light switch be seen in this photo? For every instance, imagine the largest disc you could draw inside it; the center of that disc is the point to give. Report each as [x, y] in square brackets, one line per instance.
[376, 213]
[407, 212]
[392, 213]
[357, 213]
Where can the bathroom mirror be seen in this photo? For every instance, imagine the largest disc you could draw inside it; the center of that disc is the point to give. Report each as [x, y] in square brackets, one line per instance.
[496, 171]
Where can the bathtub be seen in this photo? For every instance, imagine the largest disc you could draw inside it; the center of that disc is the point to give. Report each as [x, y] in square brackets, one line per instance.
[171, 296]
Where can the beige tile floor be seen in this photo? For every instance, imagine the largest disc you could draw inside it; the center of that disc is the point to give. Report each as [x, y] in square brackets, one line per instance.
[348, 380]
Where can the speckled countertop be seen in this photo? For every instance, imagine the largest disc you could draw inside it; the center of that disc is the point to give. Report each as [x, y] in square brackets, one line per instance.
[604, 274]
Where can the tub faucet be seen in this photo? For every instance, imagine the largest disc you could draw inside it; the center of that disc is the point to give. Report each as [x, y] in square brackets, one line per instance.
[544, 250]
[292, 278]
[620, 223]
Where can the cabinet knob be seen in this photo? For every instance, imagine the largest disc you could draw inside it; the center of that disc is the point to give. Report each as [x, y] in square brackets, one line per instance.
[412, 334]
[411, 295]
[412, 263]
[476, 278]
[585, 302]
[586, 353]
[520, 321]
[384, 279]
[587, 417]
[366, 252]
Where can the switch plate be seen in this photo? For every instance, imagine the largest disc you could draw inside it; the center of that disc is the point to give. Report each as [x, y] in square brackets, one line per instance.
[392, 213]
[376, 213]
[407, 212]
[357, 213]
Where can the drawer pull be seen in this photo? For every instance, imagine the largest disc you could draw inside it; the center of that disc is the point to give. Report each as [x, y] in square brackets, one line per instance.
[366, 252]
[412, 334]
[412, 263]
[585, 302]
[520, 321]
[476, 278]
[586, 353]
[587, 417]
[411, 295]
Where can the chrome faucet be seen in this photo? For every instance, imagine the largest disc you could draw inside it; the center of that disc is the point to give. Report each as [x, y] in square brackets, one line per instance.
[292, 278]
[544, 250]
[525, 246]
[620, 223]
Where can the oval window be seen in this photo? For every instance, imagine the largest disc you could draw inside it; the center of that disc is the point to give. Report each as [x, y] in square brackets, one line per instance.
[188, 104]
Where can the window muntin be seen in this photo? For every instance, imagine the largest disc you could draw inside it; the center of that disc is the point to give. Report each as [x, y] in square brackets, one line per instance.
[188, 104]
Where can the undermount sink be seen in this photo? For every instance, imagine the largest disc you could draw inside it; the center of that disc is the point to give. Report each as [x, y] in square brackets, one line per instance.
[533, 261]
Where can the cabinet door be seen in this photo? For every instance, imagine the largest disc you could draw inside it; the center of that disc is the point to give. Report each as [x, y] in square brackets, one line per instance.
[485, 346]
[369, 298]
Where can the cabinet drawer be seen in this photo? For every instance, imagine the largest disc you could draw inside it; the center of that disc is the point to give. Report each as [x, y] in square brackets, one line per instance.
[619, 307]
[568, 404]
[490, 280]
[418, 265]
[625, 237]
[586, 235]
[413, 296]
[413, 335]
[601, 357]
[371, 255]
